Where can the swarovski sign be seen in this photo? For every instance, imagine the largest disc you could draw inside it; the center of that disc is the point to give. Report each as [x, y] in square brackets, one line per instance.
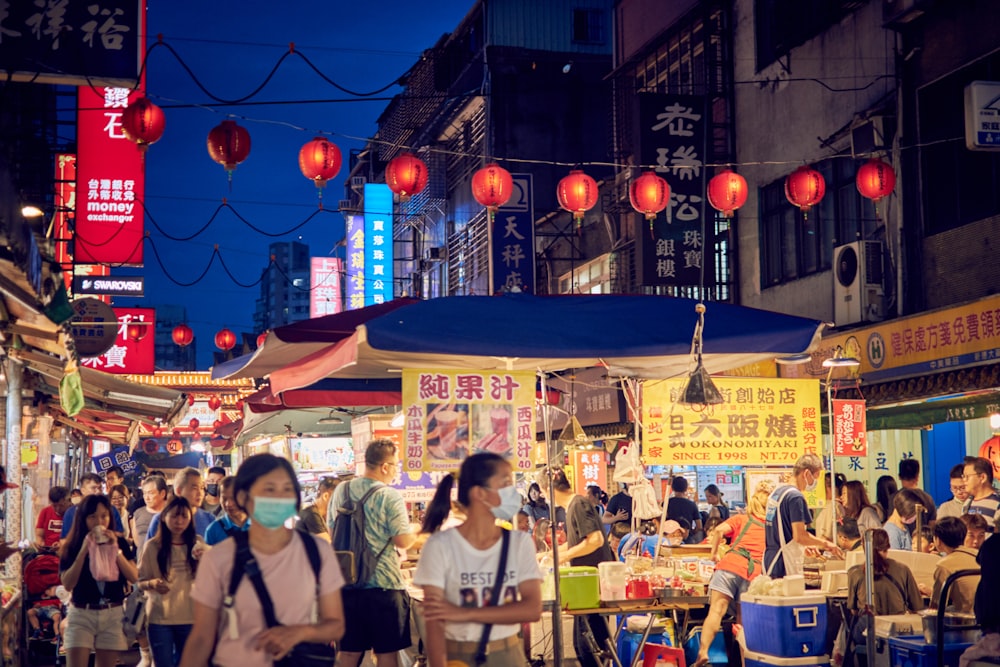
[132, 286]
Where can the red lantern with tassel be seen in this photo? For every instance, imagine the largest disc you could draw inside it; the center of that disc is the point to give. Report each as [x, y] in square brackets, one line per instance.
[320, 161]
[727, 191]
[150, 446]
[157, 432]
[577, 193]
[492, 186]
[143, 123]
[225, 340]
[175, 446]
[649, 194]
[229, 145]
[406, 175]
[875, 180]
[214, 403]
[182, 335]
[805, 188]
[136, 331]
[990, 450]
[194, 424]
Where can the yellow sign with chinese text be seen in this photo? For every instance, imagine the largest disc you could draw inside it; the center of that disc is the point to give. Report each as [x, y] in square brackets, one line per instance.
[760, 422]
[452, 414]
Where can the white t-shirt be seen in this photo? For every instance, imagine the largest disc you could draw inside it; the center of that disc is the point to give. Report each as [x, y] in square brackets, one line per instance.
[466, 575]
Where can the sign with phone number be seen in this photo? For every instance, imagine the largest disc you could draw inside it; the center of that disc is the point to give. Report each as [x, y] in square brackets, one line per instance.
[761, 421]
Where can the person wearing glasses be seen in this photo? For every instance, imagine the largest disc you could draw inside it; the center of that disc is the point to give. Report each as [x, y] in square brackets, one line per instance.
[983, 499]
[954, 506]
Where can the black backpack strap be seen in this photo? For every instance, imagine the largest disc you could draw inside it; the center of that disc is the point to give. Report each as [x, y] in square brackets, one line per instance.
[484, 638]
[313, 553]
[240, 558]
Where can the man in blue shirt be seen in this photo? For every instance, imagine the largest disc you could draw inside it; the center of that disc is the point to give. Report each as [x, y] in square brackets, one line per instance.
[90, 484]
[787, 517]
[189, 485]
[233, 517]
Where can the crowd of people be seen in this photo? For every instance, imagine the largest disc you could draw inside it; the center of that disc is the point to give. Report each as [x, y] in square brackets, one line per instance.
[222, 561]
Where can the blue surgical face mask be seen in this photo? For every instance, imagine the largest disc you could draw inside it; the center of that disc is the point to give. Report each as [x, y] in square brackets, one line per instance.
[510, 503]
[272, 513]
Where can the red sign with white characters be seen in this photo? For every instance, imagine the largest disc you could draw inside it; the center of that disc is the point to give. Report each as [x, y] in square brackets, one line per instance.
[129, 356]
[110, 181]
[849, 436]
[589, 469]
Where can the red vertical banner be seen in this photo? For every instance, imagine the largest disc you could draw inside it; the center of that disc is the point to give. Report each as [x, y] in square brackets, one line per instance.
[110, 180]
[589, 469]
[65, 203]
[849, 432]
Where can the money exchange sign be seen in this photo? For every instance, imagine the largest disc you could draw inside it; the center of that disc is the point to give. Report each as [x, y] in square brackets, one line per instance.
[760, 422]
[452, 414]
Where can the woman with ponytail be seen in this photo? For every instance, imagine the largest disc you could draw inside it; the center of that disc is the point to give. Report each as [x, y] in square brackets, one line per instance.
[458, 569]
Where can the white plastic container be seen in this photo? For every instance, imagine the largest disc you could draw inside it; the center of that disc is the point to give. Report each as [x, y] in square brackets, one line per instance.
[793, 585]
[613, 576]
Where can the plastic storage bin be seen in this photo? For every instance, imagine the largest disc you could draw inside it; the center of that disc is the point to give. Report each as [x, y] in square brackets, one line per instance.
[658, 655]
[915, 652]
[785, 627]
[716, 652]
[751, 659]
[628, 644]
[579, 587]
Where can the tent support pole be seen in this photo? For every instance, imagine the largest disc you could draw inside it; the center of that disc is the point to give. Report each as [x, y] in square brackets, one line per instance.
[557, 642]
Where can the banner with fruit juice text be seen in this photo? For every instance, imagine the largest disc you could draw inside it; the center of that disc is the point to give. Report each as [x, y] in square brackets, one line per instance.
[761, 421]
[452, 414]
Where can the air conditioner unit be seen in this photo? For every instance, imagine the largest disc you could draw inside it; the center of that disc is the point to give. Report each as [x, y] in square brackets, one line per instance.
[869, 136]
[358, 182]
[437, 254]
[896, 13]
[344, 205]
[858, 284]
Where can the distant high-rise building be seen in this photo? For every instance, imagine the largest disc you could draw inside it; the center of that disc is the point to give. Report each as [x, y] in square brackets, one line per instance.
[284, 287]
[169, 355]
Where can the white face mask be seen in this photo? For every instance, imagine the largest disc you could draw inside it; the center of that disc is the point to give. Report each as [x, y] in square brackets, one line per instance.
[812, 486]
[510, 503]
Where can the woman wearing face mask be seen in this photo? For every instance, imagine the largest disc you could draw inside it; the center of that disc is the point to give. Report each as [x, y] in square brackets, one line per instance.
[267, 489]
[119, 496]
[904, 515]
[458, 568]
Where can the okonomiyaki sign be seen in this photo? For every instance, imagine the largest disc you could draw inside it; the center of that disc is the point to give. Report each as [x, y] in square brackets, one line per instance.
[760, 421]
[452, 414]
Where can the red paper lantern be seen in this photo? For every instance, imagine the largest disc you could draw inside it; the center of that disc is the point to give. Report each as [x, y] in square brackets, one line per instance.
[577, 193]
[261, 338]
[217, 424]
[194, 424]
[406, 175]
[225, 340]
[157, 432]
[136, 331]
[875, 179]
[143, 122]
[805, 187]
[150, 446]
[649, 194]
[990, 450]
[727, 191]
[492, 186]
[183, 336]
[229, 144]
[175, 446]
[214, 403]
[176, 433]
[320, 161]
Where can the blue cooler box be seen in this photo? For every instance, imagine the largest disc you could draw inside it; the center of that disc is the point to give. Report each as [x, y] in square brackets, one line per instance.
[915, 652]
[785, 627]
[751, 659]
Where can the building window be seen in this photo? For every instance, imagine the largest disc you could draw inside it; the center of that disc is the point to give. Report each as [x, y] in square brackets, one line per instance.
[588, 26]
[793, 245]
[781, 25]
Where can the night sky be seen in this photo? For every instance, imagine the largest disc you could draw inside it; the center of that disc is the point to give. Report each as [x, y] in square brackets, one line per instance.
[231, 47]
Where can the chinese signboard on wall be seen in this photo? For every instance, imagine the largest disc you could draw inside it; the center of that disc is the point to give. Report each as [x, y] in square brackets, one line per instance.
[378, 243]
[127, 356]
[514, 240]
[672, 137]
[355, 262]
[119, 456]
[110, 180]
[849, 436]
[760, 422]
[324, 280]
[589, 469]
[452, 414]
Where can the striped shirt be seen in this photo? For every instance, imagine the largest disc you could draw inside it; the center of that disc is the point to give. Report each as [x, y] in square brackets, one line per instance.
[986, 506]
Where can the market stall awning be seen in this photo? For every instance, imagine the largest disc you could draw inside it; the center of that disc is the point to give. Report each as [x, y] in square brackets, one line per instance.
[330, 393]
[640, 336]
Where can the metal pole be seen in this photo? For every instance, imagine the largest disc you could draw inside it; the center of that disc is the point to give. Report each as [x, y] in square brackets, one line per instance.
[557, 601]
[869, 599]
[832, 473]
[12, 461]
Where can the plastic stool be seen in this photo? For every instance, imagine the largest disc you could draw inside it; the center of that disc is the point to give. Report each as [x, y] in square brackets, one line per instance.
[658, 655]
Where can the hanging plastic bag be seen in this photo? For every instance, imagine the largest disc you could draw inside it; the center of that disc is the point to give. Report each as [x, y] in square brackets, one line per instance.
[103, 559]
[644, 505]
[628, 468]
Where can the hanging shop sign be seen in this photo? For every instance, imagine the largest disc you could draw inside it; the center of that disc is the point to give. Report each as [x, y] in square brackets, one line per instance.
[849, 435]
[513, 236]
[672, 137]
[982, 116]
[355, 262]
[590, 468]
[119, 456]
[94, 327]
[759, 422]
[325, 297]
[378, 271]
[590, 395]
[452, 414]
[126, 355]
[117, 286]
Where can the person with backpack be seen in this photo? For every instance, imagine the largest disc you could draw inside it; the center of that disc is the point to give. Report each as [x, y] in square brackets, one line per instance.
[466, 605]
[268, 573]
[233, 519]
[368, 520]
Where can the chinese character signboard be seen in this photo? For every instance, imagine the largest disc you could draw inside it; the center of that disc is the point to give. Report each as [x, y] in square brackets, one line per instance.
[324, 280]
[849, 435]
[355, 262]
[452, 414]
[514, 240]
[378, 243]
[760, 422]
[127, 356]
[589, 469]
[119, 456]
[75, 42]
[110, 180]
[673, 138]
[982, 116]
